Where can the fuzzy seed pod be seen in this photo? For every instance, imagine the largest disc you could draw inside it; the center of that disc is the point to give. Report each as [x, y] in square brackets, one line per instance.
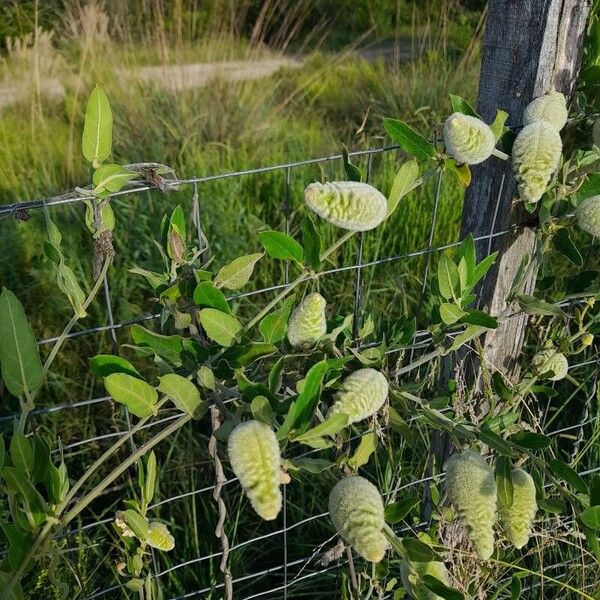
[256, 460]
[159, 537]
[588, 215]
[536, 155]
[307, 324]
[356, 509]
[411, 573]
[361, 395]
[468, 139]
[347, 204]
[517, 519]
[551, 108]
[550, 360]
[471, 488]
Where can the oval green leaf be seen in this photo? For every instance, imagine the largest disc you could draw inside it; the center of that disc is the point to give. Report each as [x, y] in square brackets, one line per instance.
[137, 395]
[220, 327]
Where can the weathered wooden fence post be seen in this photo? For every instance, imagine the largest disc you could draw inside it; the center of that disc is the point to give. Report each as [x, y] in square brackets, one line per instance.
[529, 47]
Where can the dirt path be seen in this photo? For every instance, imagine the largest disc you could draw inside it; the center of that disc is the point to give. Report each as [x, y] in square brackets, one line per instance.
[171, 77]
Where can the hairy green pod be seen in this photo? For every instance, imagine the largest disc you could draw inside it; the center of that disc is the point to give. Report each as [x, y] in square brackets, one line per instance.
[411, 573]
[468, 139]
[550, 108]
[256, 460]
[307, 324]
[535, 158]
[356, 509]
[517, 519]
[550, 360]
[361, 395]
[159, 537]
[471, 488]
[347, 204]
[588, 215]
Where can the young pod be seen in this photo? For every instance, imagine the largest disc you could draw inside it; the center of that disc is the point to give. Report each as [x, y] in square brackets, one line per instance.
[256, 460]
[356, 509]
[471, 488]
[361, 395]
[468, 139]
[307, 324]
[588, 215]
[536, 155]
[347, 204]
[550, 108]
[517, 519]
[551, 362]
[412, 572]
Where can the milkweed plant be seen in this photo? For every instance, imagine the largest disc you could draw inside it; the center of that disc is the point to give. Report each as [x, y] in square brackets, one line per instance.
[291, 377]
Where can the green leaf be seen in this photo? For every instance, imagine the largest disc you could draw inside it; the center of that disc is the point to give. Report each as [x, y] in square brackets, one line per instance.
[17, 591]
[261, 409]
[207, 295]
[182, 391]
[504, 481]
[395, 512]
[462, 172]
[533, 306]
[176, 235]
[594, 490]
[280, 245]
[409, 140]
[2, 452]
[17, 482]
[311, 240]
[156, 280]
[106, 364]
[310, 465]
[245, 354]
[406, 180]
[515, 587]
[563, 243]
[111, 178]
[471, 332]
[418, 551]
[530, 440]
[448, 279]
[237, 273]
[352, 171]
[274, 326]
[150, 482]
[478, 317]
[330, 426]
[568, 474]
[220, 327]
[168, 347]
[441, 589]
[552, 505]
[139, 396]
[591, 517]
[308, 399]
[451, 313]
[137, 523]
[96, 141]
[498, 423]
[462, 106]
[498, 125]
[22, 453]
[493, 440]
[480, 270]
[22, 370]
[361, 456]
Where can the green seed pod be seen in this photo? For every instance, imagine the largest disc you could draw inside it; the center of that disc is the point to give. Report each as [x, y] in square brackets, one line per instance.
[517, 519]
[159, 537]
[536, 155]
[468, 139]
[361, 395]
[550, 361]
[588, 215]
[551, 108]
[471, 488]
[307, 324]
[347, 204]
[356, 509]
[256, 460]
[411, 573]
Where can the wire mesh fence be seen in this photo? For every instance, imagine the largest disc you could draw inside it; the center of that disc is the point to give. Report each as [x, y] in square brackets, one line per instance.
[286, 559]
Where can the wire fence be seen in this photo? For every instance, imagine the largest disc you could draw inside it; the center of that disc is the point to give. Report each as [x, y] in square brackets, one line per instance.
[292, 572]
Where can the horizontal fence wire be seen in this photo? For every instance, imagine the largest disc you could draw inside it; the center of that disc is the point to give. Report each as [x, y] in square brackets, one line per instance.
[421, 340]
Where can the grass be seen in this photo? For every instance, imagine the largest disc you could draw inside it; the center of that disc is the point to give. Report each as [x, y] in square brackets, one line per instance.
[295, 114]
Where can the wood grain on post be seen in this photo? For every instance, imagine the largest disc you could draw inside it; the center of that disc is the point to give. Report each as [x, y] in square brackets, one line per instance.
[529, 47]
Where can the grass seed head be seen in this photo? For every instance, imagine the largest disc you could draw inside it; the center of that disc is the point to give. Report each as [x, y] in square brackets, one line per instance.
[471, 488]
[347, 204]
[356, 509]
[256, 460]
[468, 139]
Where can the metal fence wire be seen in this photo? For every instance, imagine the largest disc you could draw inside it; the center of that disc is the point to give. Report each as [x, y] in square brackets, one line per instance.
[284, 559]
